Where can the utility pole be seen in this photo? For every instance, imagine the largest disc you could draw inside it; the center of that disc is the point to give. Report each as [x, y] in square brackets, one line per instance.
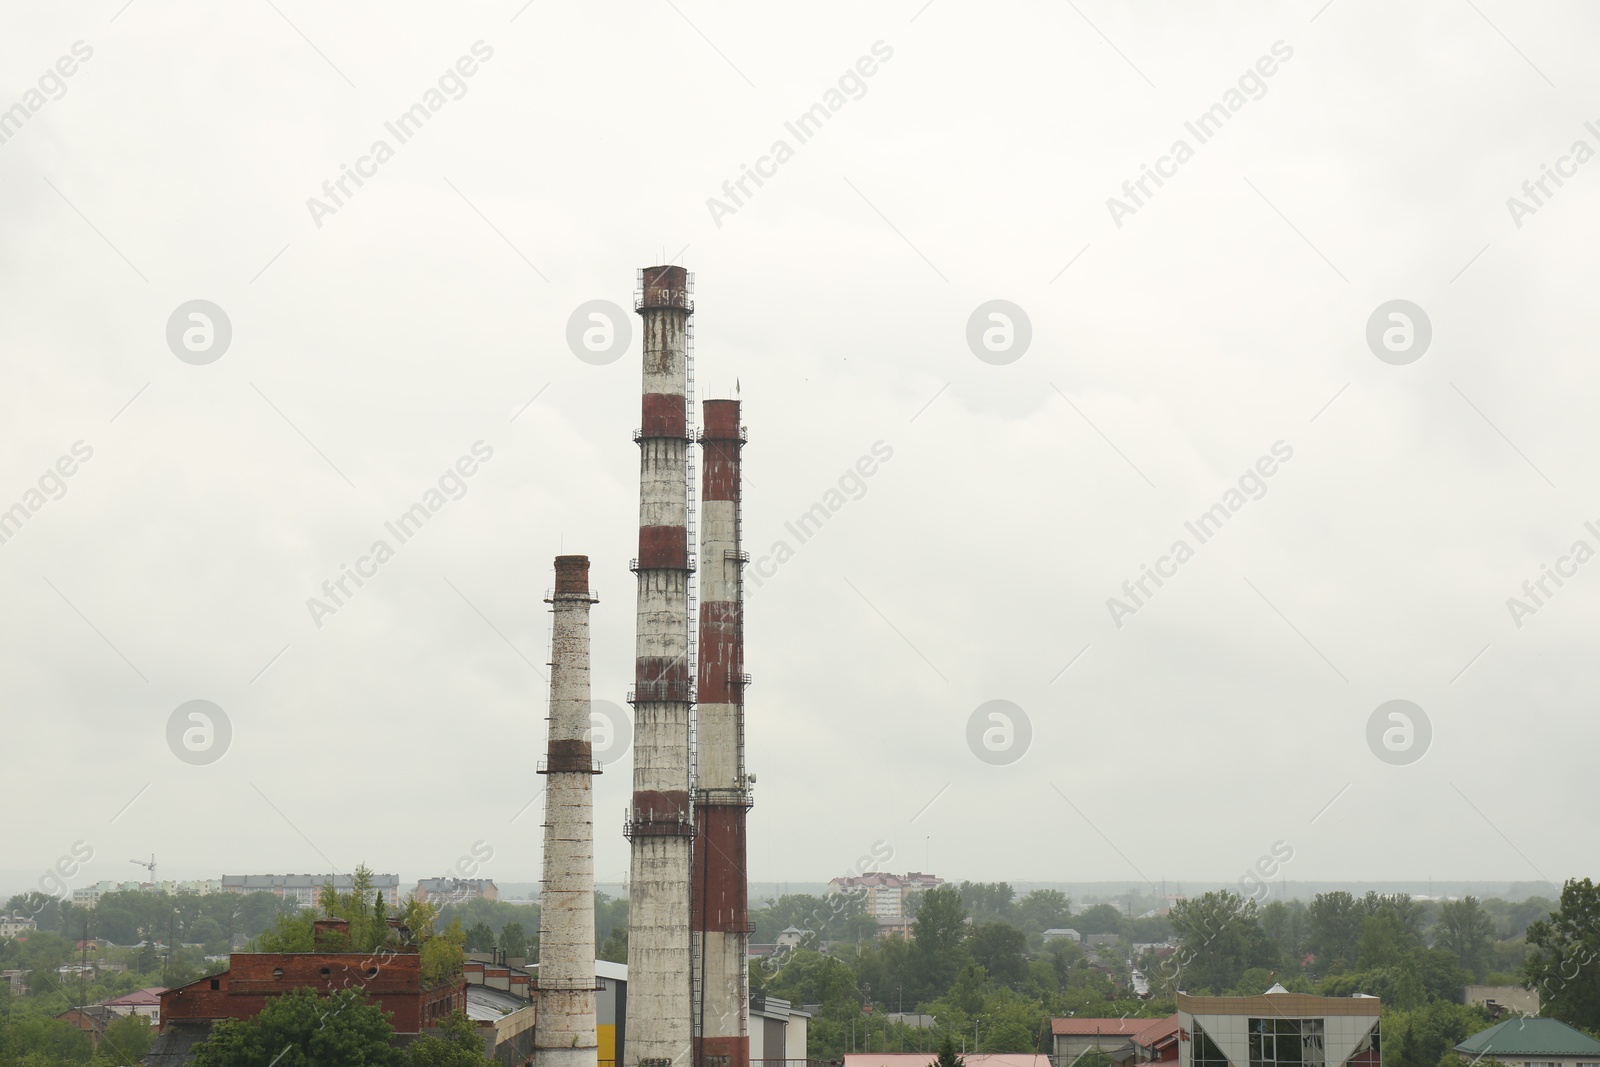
[172, 936]
[83, 965]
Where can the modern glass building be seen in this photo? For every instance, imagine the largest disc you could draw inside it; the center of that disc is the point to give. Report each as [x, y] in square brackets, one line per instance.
[1279, 1029]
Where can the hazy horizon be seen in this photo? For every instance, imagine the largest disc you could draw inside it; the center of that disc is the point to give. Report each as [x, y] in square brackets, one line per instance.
[1320, 347]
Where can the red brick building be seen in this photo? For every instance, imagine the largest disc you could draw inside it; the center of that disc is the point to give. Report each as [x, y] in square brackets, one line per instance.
[391, 979]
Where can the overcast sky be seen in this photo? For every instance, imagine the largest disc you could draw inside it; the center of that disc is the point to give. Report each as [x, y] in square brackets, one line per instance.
[1172, 343]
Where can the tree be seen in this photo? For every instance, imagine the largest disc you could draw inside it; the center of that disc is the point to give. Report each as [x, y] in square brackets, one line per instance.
[362, 907]
[1410, 1054]
[998, 948]
[838, 916]
[1334, 933]
[442, 954]
[1406, 912]
[1467, 930]
[44, 909]
[947, 1054]
[1044, 909]
[941, 920]
[207, 931]
[1220, 938]
[1441, 973]
[43, 1041]
[128, 1038]
[988, 900]
[1436, 1029]
[1385, 941]
[456, 1044]
[480, 938]
[513, 942]
[300, 1029]
[148, 960]
[116, 925]
[938, 949]
[1283, 924]
[288, 933]
[615, 947]
[255, 912]
[1100, 919]
[419, 919]
[609, 913]
[1565, 963]
[1061, 954]
[809, 977]
[1510, 920]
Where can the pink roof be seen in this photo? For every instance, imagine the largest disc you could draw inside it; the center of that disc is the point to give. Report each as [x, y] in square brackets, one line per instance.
[1088, 1027]
[1158, 1030]
[925, 1059]
[149, 996]
[1141, 1031]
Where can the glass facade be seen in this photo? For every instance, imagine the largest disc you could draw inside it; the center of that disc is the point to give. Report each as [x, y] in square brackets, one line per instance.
[1370, 1048]
[1206, 1053]
[1286, 1043]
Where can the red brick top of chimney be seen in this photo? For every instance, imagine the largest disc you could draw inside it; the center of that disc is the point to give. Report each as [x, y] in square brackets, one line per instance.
[721, 420]
[572, 574]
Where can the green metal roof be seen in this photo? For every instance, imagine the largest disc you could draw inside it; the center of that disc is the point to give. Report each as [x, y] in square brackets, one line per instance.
[1530, 1037]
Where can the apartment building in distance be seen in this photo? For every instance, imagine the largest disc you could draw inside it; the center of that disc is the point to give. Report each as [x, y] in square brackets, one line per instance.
[12, 925]
[887, 895]
[88, 896]
[306, 889]
[455, 890]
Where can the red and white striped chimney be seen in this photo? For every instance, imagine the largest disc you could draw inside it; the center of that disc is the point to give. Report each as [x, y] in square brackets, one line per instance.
[720, 899]
[660, 825]
[565, 1036]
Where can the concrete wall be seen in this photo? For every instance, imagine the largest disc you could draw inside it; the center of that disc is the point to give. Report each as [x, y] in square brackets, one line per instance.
[1515, 1000]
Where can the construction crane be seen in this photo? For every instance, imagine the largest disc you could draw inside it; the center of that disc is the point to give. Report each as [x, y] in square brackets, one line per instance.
[151, 867]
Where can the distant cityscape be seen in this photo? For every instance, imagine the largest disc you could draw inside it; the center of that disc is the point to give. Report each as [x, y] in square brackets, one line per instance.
[1117, 975]
[303, 889]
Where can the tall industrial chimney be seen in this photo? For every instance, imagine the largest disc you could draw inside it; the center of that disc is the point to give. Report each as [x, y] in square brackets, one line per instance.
[565, 1036]
[660, 825]
[720, 909]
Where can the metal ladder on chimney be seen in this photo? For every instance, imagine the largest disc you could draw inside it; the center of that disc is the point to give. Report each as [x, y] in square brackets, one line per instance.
[692, 638]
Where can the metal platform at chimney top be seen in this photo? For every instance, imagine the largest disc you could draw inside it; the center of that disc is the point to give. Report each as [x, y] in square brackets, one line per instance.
[679, 827]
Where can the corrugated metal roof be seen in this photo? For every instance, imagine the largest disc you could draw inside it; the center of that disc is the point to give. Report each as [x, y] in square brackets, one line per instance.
[1530, 1037]
[1089, 1027]
[1157, 1030]
[148, 996]
[487, 1004]
[617, 972]
[174, 1046]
